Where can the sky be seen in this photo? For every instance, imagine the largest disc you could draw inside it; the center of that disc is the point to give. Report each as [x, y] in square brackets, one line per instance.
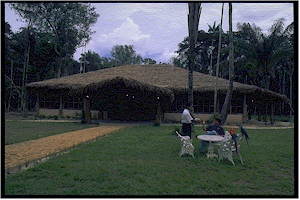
[156, 29]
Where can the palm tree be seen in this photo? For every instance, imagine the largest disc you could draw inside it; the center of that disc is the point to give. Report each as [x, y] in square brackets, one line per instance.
[213, 30]
[225, 107]
[193, 22]
[265, 51]
[218, 62]
[266, 58]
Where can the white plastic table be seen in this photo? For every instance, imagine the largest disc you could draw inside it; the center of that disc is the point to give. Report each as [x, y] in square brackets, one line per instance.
[210, 139]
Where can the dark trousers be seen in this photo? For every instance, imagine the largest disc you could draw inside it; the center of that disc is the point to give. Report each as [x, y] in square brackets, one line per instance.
[187, 130]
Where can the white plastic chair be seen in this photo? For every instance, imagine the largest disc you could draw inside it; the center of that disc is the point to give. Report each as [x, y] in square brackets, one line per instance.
[229, 147]
[186, 145]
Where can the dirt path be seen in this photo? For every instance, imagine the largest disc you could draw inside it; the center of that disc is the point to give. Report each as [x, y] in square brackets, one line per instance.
[21, 156]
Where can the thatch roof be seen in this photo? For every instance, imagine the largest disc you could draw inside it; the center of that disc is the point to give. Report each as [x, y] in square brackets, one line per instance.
[160, 78]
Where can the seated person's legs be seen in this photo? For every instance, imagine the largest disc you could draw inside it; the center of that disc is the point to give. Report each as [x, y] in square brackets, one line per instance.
[203, 145]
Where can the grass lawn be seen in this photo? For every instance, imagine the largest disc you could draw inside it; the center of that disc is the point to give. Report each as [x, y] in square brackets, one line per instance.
[143, 161]
[20, 131]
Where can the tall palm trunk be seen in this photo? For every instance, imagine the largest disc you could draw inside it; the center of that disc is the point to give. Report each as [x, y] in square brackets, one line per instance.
[210, 71]
[226, 105]
[193, 21]
[218, 63]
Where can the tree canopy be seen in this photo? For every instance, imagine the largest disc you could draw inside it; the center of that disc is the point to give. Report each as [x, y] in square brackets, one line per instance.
[68, 23]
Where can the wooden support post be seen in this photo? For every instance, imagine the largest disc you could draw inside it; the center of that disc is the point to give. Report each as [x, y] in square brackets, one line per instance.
[258, 114]
[37, 105]
[60, 112]
[158, 112]
[245, 108]
[86, 114]
[272, 113]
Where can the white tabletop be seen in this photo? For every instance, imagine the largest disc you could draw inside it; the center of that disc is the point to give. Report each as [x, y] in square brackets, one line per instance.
[213, 138]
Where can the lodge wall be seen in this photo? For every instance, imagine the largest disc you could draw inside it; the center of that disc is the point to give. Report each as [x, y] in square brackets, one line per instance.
[72, 113]
[231, 118]
[104, 115]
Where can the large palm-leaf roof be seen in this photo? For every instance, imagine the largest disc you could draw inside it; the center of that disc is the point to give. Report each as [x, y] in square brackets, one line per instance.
[160, 78]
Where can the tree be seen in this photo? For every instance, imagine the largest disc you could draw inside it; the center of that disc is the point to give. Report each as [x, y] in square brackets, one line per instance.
[125, 55]
[226, 105]
[69, 23]
[213, 30]
[262, 51]
[193, 22]
[18, 48]
[92, 59]
[287, 64]
[218, 62]
[106, 62]
[149, 61]
[202, 59]
[175, 61]
[25, 69]
[265, 60]
[10, 87]
[43, 58]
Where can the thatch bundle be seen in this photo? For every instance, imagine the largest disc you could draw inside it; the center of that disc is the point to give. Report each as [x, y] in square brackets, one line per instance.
[159, 78]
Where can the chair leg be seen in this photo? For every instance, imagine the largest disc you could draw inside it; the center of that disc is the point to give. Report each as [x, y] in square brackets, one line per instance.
[220, 155]
[193, 152]
[240, 158]
[226, 155]
[185, 150]
[181, 152]
[230, 159]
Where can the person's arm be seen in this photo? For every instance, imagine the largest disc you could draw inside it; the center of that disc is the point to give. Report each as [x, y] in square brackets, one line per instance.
[223, 132]
[189, 117]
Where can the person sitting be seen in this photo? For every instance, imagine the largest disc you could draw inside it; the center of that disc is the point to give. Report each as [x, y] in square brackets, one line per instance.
[213, 129]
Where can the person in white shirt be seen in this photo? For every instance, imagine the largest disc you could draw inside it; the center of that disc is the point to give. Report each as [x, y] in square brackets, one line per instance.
[186, 120]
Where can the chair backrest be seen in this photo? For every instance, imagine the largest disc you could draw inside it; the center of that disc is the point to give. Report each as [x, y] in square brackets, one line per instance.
[182, 137]
[225, 146]
[227, 136]
[185, 140]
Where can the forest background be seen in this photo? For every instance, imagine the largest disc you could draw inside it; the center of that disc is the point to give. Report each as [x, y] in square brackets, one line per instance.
[45, 48]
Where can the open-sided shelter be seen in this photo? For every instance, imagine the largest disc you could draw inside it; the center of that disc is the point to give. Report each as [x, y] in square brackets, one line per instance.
[144, 92]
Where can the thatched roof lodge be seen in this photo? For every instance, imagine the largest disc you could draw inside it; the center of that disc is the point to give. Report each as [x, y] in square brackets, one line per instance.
[133, 92]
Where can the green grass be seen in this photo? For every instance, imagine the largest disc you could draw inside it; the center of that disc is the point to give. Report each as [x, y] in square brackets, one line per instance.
[20, 131]
[143, 161]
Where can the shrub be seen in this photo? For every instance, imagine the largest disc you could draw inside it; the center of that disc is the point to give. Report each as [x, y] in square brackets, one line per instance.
[156, 124]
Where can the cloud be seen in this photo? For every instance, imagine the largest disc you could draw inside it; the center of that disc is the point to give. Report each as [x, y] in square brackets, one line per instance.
[167, 55]
[127, 33]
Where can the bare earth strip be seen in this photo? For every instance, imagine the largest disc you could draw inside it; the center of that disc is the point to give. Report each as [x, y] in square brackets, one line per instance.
[22, 155]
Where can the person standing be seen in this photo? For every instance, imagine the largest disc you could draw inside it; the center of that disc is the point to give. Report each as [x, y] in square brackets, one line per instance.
[186, 120]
